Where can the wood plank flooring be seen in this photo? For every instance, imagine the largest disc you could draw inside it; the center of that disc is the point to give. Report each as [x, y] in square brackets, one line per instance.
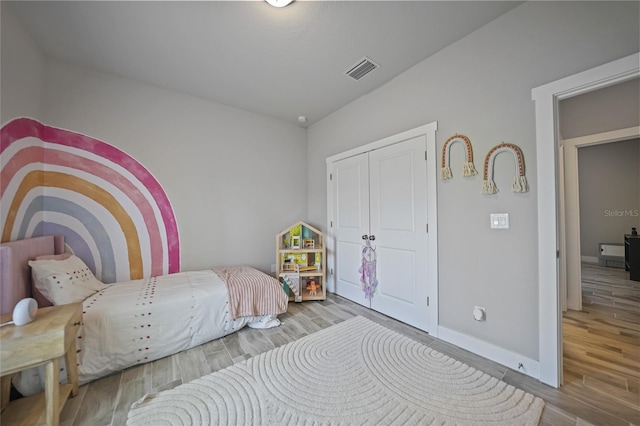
[107, 401]
[602, 342]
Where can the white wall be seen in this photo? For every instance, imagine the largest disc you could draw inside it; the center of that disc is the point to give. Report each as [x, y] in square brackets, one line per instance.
[481, 87]
[608, 174]
[22, 75]
[611, 108]
[609, 187]
[235, 179]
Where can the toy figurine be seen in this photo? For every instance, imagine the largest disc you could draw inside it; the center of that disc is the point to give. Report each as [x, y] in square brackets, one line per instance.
[312, 286]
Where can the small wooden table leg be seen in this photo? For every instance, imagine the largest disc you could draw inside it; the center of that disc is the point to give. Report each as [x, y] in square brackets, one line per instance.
[6, 391]
[52, 391]
[71, 360]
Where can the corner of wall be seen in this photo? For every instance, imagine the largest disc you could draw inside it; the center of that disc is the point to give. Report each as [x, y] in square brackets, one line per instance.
[22, 75]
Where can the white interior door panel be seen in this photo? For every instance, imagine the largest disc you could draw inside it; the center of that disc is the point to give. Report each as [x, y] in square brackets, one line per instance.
[398, 219]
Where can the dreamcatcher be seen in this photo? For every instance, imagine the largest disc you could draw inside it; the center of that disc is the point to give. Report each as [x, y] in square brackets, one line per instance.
[368, 268]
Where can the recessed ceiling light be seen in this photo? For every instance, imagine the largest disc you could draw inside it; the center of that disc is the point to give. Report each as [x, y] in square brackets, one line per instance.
[279, 3]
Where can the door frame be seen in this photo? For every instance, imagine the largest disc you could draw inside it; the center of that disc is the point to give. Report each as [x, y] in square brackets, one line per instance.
[546, 100]
[429, 132]
[570, 184]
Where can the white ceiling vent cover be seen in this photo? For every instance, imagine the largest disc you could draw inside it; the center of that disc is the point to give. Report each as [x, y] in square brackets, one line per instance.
[363, 67]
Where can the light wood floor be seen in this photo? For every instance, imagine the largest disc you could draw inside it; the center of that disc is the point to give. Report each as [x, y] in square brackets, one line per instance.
[107, 401]
[602, 342]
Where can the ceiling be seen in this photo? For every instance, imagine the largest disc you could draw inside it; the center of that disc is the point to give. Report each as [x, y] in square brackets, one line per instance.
[279, 62]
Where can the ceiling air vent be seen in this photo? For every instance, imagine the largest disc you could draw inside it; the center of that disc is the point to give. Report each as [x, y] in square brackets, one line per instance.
[362, 68]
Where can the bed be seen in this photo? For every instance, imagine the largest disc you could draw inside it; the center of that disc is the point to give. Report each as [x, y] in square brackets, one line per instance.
[133, 322]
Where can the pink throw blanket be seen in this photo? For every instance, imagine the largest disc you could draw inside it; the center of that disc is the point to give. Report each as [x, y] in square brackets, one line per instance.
[251, 292]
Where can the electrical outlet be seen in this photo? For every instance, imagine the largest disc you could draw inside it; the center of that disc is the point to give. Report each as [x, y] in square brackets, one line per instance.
[479, 313]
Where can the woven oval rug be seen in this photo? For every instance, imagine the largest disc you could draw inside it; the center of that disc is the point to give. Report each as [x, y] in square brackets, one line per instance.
[355, 372]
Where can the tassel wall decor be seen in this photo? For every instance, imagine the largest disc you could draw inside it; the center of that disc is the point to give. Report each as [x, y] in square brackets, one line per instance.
[468, 168]
[519, 181]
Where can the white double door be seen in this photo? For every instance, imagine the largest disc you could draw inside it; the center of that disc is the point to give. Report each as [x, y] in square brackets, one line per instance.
[382, 194]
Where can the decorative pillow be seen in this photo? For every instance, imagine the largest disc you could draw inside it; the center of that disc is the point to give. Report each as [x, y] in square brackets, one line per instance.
[43, 302]
[64, 281]
[62, 256]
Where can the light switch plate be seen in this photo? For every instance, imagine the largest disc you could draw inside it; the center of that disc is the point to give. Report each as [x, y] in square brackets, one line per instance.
[500, 220]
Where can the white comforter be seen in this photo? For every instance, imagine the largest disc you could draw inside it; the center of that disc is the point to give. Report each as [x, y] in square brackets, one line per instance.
[139, 321]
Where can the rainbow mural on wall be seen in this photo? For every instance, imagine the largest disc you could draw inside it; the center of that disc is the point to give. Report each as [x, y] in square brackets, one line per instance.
[112, 211]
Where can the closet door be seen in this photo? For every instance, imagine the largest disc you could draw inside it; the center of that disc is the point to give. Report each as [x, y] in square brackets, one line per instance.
[351, 216]
[398, 220]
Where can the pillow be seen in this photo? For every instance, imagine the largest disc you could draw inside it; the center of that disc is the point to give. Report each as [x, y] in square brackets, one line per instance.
[43, 301]
[64, 281]
[62, 256]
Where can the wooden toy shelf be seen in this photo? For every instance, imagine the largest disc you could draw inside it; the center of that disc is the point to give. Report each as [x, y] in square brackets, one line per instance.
[300, 262]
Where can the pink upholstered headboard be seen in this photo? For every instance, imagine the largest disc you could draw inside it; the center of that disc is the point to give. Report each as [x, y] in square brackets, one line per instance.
[15, 274]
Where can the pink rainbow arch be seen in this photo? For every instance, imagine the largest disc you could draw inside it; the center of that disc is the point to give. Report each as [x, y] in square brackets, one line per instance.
[26, 144]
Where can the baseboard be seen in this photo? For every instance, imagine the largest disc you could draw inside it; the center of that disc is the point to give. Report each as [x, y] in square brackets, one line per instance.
[500, 355]
[589, 259]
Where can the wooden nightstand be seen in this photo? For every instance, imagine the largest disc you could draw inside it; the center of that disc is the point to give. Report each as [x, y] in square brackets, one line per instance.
[51, 335]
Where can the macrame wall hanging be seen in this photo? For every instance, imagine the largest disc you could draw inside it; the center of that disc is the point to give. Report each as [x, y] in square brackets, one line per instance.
[368, 269]
[519, 180]
[468, 169]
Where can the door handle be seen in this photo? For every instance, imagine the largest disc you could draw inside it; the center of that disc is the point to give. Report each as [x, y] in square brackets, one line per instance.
[372, 237]
[365, 237]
